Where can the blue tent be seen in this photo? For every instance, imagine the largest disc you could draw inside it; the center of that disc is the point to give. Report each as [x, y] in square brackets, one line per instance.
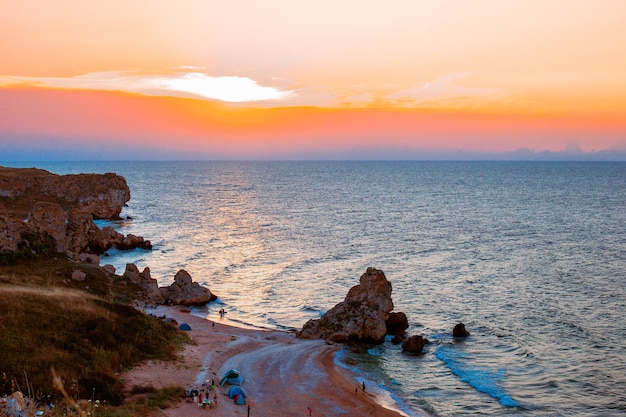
[184, 326]
[237, 394]
[232, 377]
[234, 391]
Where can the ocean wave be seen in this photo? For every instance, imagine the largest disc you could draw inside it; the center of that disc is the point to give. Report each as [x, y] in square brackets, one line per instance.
[482, 379]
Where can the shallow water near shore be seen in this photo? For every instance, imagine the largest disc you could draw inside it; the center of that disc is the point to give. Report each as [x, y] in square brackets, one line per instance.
[531, 256]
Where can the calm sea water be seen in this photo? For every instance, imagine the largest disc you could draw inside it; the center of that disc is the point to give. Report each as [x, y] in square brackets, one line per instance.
[530, 256]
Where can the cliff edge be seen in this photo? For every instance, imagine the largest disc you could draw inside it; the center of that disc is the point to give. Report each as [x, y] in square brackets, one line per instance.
[39, 209]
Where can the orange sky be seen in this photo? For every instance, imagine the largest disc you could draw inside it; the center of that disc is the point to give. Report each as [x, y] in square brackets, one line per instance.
[208, 79]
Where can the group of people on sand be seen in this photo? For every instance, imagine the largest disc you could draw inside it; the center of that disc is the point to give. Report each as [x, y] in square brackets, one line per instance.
[202, 397]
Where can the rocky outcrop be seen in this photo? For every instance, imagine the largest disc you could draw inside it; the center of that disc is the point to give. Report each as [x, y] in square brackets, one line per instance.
[37, 206]
[186, 292]
[183, 291]
[413, 344]
[360, 318]
[149, 286]
[397, 323]
[131, 241]
[460, 331]
[13, 233]
[49, 219]
[102, 195]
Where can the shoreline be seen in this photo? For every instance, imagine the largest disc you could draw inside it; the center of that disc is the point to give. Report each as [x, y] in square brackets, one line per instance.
[282, 375]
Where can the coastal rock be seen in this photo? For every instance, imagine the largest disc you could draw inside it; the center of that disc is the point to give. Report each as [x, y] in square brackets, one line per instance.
[186, 292]
[79, 230]
[37, 206]
[11, 233]
[131, 242]
[397, 323]
[49, 219]
[103, 195]
[460, 331]
[149, 285]
[413, 344]
[101, 240]
[360, 318]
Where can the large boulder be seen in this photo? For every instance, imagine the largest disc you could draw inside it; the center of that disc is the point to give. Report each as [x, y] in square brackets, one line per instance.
[360, 318]
[186, 292]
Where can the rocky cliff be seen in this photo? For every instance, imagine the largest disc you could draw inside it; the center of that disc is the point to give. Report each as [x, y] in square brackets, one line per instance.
[41, 208]
[360, 318]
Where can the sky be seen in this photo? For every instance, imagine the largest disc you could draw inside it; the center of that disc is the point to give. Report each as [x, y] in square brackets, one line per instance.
[284, 79]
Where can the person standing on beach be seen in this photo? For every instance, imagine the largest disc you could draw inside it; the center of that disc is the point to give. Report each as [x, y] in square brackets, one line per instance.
[310, 411]
[363, 386]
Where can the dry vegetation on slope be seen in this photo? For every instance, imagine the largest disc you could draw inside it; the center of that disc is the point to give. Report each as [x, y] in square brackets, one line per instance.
[87, 331]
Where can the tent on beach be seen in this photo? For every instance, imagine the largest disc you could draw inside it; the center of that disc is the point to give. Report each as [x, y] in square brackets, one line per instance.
[232, 377]
[184, 326]
[237, 394]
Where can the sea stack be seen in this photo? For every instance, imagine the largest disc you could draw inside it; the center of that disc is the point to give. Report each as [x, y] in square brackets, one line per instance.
[360, 318]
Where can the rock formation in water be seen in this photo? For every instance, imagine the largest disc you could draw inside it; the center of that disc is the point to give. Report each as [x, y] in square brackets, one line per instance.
[460, 331]
[397, 323]
[38, 208]
[360, 318]
[413, 344]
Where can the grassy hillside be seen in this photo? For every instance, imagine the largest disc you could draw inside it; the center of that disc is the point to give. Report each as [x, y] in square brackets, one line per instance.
[87, 330]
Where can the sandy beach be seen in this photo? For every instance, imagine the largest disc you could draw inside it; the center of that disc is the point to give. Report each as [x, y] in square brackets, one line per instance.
[282, 375]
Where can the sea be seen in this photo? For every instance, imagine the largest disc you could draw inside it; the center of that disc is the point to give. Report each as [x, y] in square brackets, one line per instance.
[530, 256]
